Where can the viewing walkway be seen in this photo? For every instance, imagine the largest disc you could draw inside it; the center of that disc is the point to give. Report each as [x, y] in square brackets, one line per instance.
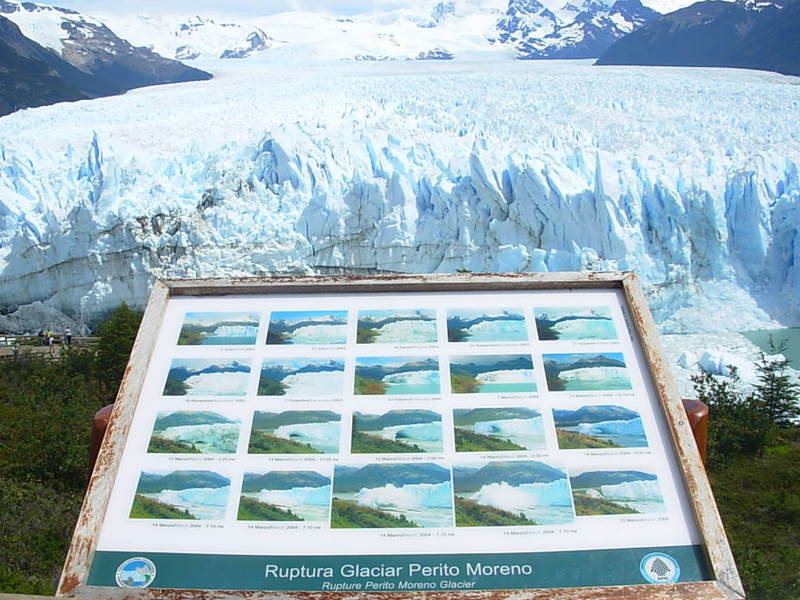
[11, 345]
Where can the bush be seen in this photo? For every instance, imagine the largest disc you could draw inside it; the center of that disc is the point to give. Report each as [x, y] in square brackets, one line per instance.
[117, 335]
[46, 410]
[737, 423]
[36, 525]
[775, 389]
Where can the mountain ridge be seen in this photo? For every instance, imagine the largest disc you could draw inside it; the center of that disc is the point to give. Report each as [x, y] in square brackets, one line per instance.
[714, 33]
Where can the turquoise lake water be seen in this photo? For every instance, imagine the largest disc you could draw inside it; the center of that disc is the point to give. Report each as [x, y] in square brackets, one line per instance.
[228, 341]
[500, 388]
[412, 388]
[791, 336]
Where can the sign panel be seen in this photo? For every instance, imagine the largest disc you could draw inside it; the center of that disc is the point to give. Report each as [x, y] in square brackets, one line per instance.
[406, 441]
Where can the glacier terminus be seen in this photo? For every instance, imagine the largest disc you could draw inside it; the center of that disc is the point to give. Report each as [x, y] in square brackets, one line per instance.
[687, 176]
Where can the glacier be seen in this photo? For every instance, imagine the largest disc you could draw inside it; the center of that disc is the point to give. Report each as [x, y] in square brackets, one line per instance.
[596, 378]
[490, 331]
[427, 436]
[632, 427]
[314, 384]
[545, 503]
[412, 382]
[410, 496]
[426, 504]
[642, 496]
[528, 433]
[316, 496]
[217, 384]
[407, 332]
[209, 439]
[203, 503]
[322, 436]
[687, 176]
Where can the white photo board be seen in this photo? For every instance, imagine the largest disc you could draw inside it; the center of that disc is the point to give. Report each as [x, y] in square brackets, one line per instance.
[403, 441]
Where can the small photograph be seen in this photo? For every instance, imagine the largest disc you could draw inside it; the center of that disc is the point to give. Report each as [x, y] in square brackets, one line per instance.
[295, 432]
[575, 323]
[396, 327]
[308, 377]
[498, 325]
[498, 429]
[492, 374]
[194, 432]
[616, 493]
[219, 329]
[382, 376]
[191, 495]
[397, 431]
[285, 496]
[204, 377]
[391, 495]
[308, 327]
[586, 372]
[505, 493]
[606, 426]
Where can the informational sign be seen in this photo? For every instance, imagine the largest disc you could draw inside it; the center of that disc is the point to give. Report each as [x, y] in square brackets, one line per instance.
[405, 441]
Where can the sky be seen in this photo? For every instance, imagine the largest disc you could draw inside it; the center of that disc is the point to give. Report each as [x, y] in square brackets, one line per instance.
[204, 7]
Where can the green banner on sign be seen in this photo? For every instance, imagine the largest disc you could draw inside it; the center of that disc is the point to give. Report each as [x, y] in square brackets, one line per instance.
[586, 568]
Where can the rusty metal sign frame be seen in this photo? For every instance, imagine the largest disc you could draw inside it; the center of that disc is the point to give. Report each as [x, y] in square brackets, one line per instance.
[724, 585]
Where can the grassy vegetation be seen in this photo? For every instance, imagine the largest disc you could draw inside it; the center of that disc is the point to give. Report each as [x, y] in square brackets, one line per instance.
[759, 500]
[587, 506]
[464, 384]
[160, 445]
[346, 514]
[457, 334]
[571, 440]
[147, 508]
[278, 337]
[191, 337]
[364, 443]
[469, 441]
[251, 509]
[471, 514]
[554, 382]
[264, 443]
[366, 335]
[175, 387]
[271, 387]
[369, 387]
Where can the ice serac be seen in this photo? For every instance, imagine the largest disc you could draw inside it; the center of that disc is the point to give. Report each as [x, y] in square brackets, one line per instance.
[521, 167]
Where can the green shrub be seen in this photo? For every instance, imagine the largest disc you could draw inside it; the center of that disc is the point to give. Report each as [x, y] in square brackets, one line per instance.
[117, 335]
[775, 390]
[36, 525]
[46, 410]
[737, 425]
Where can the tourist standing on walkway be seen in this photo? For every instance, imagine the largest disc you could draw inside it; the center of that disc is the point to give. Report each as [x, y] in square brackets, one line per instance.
[41, 336]
[51, 341]
[68, 336]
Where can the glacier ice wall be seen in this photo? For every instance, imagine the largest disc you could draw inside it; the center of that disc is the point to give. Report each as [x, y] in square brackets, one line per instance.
[688, 176]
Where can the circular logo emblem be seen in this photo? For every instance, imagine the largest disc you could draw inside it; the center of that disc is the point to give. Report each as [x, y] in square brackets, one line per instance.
[658, 567]
[136, 573]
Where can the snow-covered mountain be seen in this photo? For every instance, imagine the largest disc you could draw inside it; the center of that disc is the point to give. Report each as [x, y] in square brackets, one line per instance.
[689, 177]
[456, 26]
[420, 28]
[87, 44]
[578, 29]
